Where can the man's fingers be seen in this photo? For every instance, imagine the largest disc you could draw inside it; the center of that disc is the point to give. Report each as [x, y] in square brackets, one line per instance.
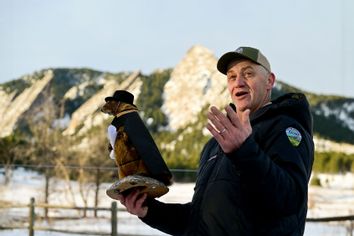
[215, 121]
[232, 115]
[233, 118]
[219, 115]
[135, 203]
[121, 198]
[139, 203]
[229, 130]
[219, 120]
[213, 131]
[131, 198]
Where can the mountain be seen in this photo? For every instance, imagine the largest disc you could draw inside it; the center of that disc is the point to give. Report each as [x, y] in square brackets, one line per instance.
[170, 100]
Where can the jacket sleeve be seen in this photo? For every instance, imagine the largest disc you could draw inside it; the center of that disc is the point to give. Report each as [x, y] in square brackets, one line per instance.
[275, 174]
[170, 218]
[173, 218]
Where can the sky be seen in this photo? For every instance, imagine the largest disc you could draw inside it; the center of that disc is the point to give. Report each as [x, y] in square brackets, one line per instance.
[308, 43]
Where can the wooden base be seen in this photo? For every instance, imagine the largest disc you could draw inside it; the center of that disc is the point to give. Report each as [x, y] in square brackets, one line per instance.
[152, 187]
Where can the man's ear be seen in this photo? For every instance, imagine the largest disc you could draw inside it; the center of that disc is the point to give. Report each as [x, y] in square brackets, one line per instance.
[270, 81]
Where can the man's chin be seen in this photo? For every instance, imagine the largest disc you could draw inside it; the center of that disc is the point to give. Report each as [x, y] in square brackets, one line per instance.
[241, 106]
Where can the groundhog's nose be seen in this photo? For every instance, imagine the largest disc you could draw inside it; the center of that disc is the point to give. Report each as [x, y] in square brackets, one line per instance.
[105, 110]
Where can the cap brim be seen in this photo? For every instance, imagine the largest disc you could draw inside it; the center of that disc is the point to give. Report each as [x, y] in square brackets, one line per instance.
[227, 58]
[109, 99]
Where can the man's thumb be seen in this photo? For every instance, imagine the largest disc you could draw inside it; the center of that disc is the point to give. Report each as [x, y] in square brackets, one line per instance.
[246, 117]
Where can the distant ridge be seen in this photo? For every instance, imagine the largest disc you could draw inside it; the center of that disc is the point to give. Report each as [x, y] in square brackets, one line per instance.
[192, 86]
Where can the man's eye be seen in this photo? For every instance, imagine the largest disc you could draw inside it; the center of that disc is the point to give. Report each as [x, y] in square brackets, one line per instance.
[248, 74]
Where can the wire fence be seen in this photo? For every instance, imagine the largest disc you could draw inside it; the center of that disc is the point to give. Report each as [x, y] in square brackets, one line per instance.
[33, 216]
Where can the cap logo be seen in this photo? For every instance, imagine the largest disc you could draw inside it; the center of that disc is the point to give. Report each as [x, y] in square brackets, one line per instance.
[239, 50]
[294, 136]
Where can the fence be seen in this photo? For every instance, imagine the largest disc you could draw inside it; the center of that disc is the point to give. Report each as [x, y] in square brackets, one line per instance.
[32, 206]
[32, 218]
[93, 193]
[349, 219]
[32, 223]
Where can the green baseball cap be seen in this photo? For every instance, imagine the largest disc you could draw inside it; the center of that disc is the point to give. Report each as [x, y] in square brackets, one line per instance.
[252, 54]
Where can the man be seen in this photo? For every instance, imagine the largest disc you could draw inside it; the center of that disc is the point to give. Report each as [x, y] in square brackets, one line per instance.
[254, 172]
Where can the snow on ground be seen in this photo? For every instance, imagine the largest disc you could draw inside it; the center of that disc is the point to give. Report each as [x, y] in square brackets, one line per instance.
[26, 184]
[336, 199]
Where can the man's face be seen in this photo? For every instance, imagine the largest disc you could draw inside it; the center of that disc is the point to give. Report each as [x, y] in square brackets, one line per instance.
[249, 85]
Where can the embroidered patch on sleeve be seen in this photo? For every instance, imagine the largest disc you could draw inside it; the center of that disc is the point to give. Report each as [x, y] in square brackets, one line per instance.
[294, 136]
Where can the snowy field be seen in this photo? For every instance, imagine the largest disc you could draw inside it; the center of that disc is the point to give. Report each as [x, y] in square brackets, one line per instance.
[336, 199]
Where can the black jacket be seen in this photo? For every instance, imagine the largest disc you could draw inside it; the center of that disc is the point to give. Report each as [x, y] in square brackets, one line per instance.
[260, 189]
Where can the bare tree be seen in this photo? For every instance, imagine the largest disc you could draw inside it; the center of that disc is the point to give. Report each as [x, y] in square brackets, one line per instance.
[93, 161]
[11, 151]
[99, 157]
[45, 139]
[50, 148]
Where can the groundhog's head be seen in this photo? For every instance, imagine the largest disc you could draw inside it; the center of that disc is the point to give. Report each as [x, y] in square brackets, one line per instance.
[119, 102]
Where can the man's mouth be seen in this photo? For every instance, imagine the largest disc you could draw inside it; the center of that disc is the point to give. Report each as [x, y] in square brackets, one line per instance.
[241, 94]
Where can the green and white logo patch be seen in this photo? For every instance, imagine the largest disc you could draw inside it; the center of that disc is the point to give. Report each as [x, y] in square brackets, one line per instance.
[294, 136]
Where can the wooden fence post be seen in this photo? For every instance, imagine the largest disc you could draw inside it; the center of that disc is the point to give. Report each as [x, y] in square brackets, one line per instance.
[31, 217]
[114, 220]
[97, 189]
[350, 228]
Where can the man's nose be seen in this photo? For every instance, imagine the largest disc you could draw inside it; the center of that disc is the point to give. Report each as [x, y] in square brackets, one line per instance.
[239, 82]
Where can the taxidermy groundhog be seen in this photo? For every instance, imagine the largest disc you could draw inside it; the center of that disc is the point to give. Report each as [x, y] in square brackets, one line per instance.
[126, 157]
[136, 155]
